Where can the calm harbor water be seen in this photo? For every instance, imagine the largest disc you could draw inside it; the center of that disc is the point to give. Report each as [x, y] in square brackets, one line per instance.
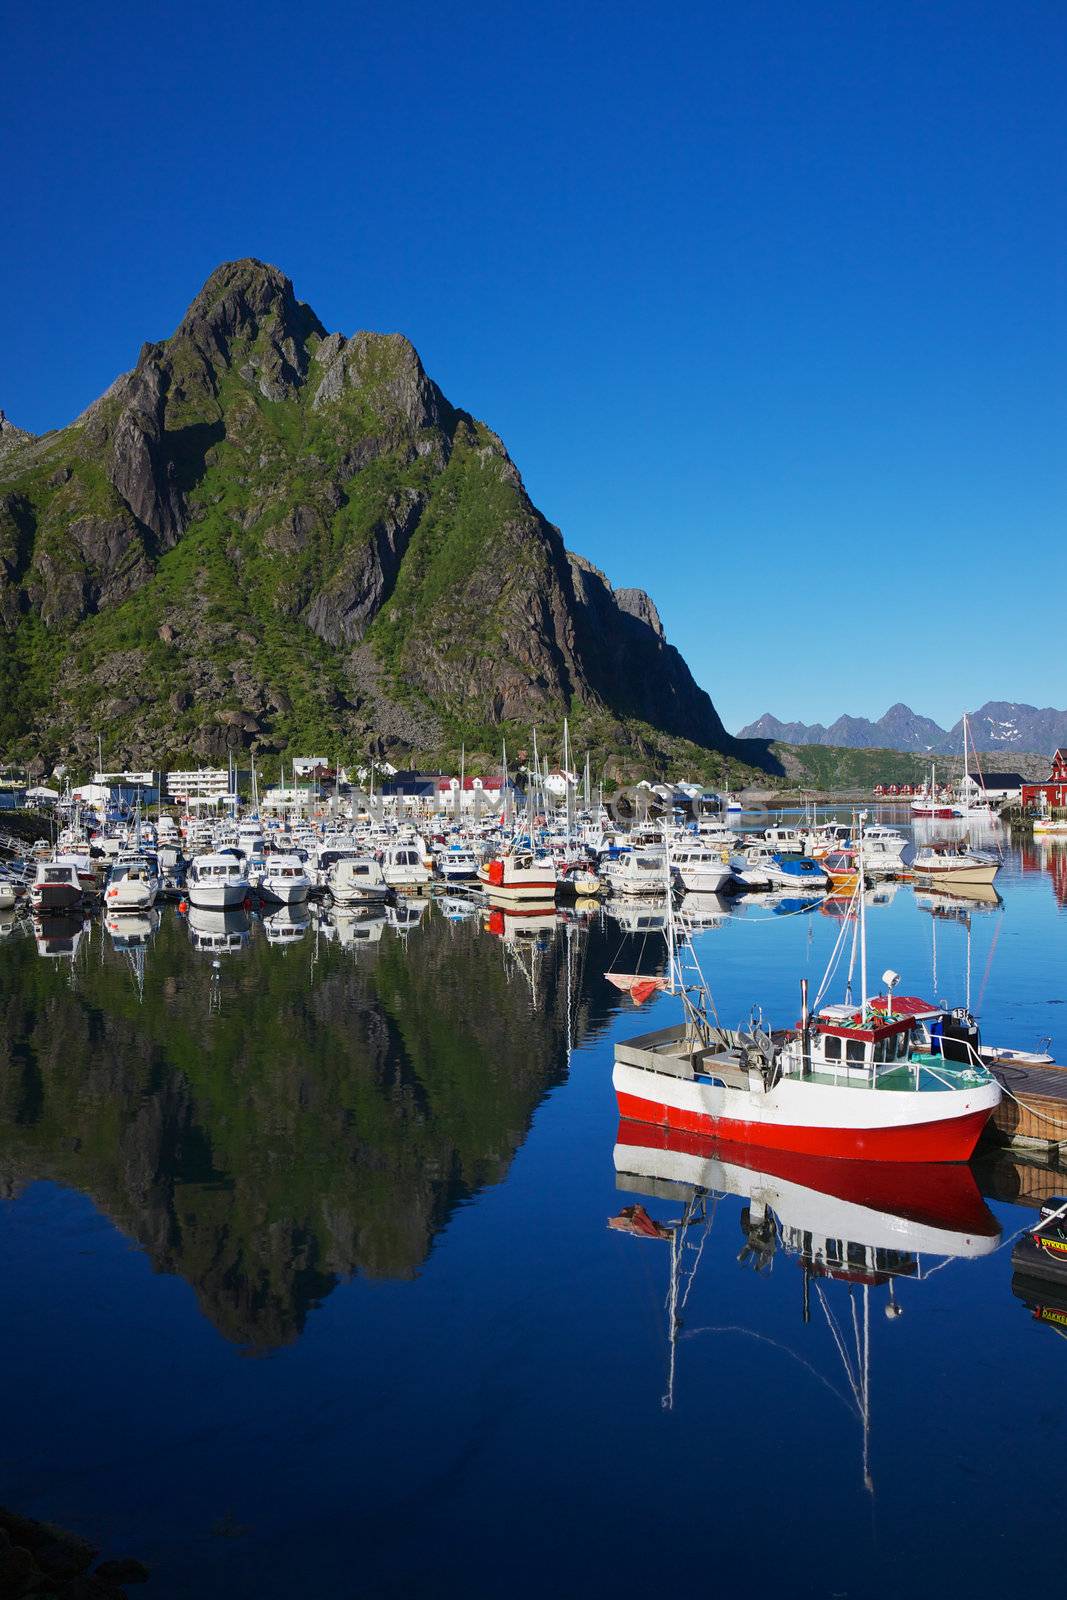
[309, 1286]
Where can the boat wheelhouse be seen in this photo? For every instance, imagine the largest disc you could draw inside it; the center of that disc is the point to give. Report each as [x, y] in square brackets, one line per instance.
[56, 885]
[285, 880]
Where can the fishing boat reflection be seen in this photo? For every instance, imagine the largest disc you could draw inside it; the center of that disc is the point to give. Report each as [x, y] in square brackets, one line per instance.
[858, 1223]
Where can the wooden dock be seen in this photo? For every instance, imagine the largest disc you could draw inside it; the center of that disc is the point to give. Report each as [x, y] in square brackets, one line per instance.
[1033, 1111]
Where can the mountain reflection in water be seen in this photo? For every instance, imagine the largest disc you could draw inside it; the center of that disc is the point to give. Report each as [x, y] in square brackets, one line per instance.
[270, 1110]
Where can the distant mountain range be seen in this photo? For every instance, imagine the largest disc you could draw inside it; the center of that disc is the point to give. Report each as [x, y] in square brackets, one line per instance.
[998, 725]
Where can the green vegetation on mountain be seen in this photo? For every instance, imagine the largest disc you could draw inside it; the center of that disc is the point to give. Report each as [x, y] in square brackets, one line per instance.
[269, 539]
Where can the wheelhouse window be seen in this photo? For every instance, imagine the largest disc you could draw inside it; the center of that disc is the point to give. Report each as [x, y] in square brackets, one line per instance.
[855, 1050]
[832, 1047]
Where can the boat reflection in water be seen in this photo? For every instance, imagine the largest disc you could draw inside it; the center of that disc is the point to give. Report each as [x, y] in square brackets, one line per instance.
[218, 932]
[352, 926]
[288, 924]
[859, 1223]
[58, 934]
[1039, 1267]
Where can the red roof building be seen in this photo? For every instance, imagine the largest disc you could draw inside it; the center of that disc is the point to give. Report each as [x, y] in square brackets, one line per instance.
[1053, 792]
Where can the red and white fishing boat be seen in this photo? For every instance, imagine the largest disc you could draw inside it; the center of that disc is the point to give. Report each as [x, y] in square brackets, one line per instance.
[519, 878]
[855, 1081]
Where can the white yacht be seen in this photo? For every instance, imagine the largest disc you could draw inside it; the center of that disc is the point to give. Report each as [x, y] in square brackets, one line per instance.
[216, 882]
[644, 870]
[133, 884]
[357, 880]
[456, 863]
[404, 865]
[696, 868]
[284, 880]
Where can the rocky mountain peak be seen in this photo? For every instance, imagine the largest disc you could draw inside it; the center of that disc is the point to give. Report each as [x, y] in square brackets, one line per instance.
[10, 436]
[636, 603]
[357, 562]
[247, 315]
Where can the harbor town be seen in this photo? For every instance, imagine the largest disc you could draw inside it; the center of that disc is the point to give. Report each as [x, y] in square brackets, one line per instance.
[533, 802]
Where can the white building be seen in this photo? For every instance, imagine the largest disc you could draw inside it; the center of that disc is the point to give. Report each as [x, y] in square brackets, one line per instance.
[206, 783]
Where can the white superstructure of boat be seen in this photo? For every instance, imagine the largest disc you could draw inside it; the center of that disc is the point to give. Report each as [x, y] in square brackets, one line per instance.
[217, 882]
[697, 869]
[520, 877]
[404, 865]
[357, 880]
[284, 880]
[644, 870]
[132, 885]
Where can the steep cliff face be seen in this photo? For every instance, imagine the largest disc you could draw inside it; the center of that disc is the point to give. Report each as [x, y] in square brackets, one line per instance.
[265, 533]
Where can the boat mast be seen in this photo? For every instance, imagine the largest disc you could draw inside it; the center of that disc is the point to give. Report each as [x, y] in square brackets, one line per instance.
[863, 924]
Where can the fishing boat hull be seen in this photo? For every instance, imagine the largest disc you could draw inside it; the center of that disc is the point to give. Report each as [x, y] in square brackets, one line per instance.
[509, 884]
[813, 1119]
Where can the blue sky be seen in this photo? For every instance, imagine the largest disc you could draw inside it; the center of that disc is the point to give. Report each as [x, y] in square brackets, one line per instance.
[766, 300]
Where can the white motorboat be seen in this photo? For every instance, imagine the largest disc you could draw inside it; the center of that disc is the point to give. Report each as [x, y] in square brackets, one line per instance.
[404, 865]
[520, 877]
[696, 869]
[285, 880]
[217, 882]
[644, 870]
[132, 885]
[357, 880]
[456, 863]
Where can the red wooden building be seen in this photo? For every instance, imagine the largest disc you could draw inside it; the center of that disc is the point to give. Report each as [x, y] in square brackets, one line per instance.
[1054, 788]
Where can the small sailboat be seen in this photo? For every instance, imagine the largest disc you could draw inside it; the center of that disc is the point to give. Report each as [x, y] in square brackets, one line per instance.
[953, 862]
